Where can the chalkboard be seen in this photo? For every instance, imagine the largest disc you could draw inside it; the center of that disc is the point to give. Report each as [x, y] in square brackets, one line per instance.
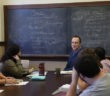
[39, 31]
[49, 30]
[92, 24]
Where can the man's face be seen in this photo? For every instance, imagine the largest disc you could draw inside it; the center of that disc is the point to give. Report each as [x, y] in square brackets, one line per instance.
[75, 43]
[19, 53]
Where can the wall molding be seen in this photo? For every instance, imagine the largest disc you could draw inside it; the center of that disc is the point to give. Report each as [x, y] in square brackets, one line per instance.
[2, 43]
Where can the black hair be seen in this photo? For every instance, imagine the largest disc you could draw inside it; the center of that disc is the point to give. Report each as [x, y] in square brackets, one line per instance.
[100, 52]
[86, 51]
[10, 52]
[87, 65]
[75, 36]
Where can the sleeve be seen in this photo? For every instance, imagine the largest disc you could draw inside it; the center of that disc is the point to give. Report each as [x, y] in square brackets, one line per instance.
[2, 76]
[85, 93]
[67, 68]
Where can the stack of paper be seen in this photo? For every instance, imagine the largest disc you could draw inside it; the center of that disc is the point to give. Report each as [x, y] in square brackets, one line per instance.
[20, 82]
[66, 72]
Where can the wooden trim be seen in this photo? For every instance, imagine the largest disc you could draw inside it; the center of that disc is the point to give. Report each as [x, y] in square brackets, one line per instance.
[5, 27]
[97, 3]
[45, 57]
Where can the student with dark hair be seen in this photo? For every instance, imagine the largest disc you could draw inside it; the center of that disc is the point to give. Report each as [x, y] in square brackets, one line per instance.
[12, 64]
[88, 69]
[100, 52]
[81, 84]
[76, 48]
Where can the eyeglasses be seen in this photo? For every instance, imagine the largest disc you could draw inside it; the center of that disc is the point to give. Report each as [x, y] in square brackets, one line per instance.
[82, 78]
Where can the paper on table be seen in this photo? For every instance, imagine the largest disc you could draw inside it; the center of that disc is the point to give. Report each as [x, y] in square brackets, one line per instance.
[20, 83]
[64, 88]
[66, 72]
[1, 91]
[35, 73]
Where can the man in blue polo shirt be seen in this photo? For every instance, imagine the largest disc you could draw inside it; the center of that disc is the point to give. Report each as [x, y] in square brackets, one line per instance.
[76, 48]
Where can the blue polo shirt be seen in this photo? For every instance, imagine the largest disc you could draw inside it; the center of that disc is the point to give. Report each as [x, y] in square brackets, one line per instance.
[72, 57]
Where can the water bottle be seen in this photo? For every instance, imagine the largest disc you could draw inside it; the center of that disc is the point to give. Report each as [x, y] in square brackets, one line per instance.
[41, 69]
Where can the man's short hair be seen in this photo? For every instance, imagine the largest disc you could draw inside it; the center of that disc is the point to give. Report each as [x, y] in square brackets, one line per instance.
[90, 51]
[86, 51]
[87, 65]
[77, 37]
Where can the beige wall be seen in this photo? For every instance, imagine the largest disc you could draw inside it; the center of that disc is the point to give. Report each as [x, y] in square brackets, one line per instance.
[1, 51]
[1, 22]
[11, 2]
[49, 65]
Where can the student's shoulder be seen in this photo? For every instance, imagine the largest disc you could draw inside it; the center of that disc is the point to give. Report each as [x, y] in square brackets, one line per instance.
[81, 48]
[86, 92]
[9, 61]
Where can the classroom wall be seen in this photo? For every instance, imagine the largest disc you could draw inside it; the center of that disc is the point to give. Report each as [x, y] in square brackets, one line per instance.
[1, 22]
[50, 65]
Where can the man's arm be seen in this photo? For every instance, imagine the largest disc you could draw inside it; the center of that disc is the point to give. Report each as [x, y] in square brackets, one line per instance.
[73, 86]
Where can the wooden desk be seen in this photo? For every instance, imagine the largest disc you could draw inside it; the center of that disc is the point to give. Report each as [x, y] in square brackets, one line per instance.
[37, 88]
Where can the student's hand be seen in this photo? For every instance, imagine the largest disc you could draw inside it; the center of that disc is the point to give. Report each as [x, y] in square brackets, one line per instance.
[10, 78]
[73, 85]
[16, 57]
[31, 70]
[2, 76]
[11, 81]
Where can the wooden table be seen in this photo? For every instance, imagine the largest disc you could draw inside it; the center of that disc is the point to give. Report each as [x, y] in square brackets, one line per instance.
[38, 88]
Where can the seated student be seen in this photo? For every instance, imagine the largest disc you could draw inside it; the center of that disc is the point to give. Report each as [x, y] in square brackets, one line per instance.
[83, 85]
[76, 48]
[88, 69]
[12, 64]
[7, 80]
[100, 52]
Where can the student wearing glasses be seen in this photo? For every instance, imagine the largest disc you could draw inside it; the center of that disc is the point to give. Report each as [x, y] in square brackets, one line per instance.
[88, 69]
